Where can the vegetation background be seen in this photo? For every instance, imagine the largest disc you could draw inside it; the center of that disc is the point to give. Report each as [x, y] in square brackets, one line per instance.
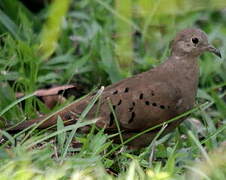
[98, 42]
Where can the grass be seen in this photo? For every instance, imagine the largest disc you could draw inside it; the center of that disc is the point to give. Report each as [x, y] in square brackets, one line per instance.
[98, 43]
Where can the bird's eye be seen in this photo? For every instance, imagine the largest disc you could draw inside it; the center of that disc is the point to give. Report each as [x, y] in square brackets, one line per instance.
[195, 40]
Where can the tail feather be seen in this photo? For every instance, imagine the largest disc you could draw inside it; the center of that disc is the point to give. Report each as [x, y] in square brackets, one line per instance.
[44, 122]
[68, 114]
[41, 121]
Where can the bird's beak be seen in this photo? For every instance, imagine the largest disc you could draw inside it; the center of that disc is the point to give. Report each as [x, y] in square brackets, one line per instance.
[214, 50]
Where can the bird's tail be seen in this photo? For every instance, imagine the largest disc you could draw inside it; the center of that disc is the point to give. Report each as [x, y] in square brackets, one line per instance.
[69, 115]
[41, 122]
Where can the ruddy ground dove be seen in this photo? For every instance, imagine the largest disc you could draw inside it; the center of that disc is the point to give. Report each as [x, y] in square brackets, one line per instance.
[147, 99]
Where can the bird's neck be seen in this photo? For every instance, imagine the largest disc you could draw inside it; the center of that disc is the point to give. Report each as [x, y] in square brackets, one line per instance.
[188, 59]
[186, 72]
[186, 68]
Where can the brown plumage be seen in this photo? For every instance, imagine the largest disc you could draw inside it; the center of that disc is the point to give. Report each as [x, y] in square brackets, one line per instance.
[149, 98]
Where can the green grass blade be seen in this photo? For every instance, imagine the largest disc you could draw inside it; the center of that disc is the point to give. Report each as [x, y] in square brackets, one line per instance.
[15, 103]
[198, 144]
[81, 118]
[51, 30]
[65, 129]
[9, 25]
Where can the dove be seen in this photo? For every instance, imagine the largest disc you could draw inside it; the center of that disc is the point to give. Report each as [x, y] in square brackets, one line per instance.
[146, 99]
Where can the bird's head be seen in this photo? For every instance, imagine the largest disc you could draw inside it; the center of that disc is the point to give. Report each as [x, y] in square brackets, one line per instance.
[192, 42]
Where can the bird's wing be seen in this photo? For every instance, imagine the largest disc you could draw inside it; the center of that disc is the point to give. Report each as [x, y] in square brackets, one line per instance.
[138, 105]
